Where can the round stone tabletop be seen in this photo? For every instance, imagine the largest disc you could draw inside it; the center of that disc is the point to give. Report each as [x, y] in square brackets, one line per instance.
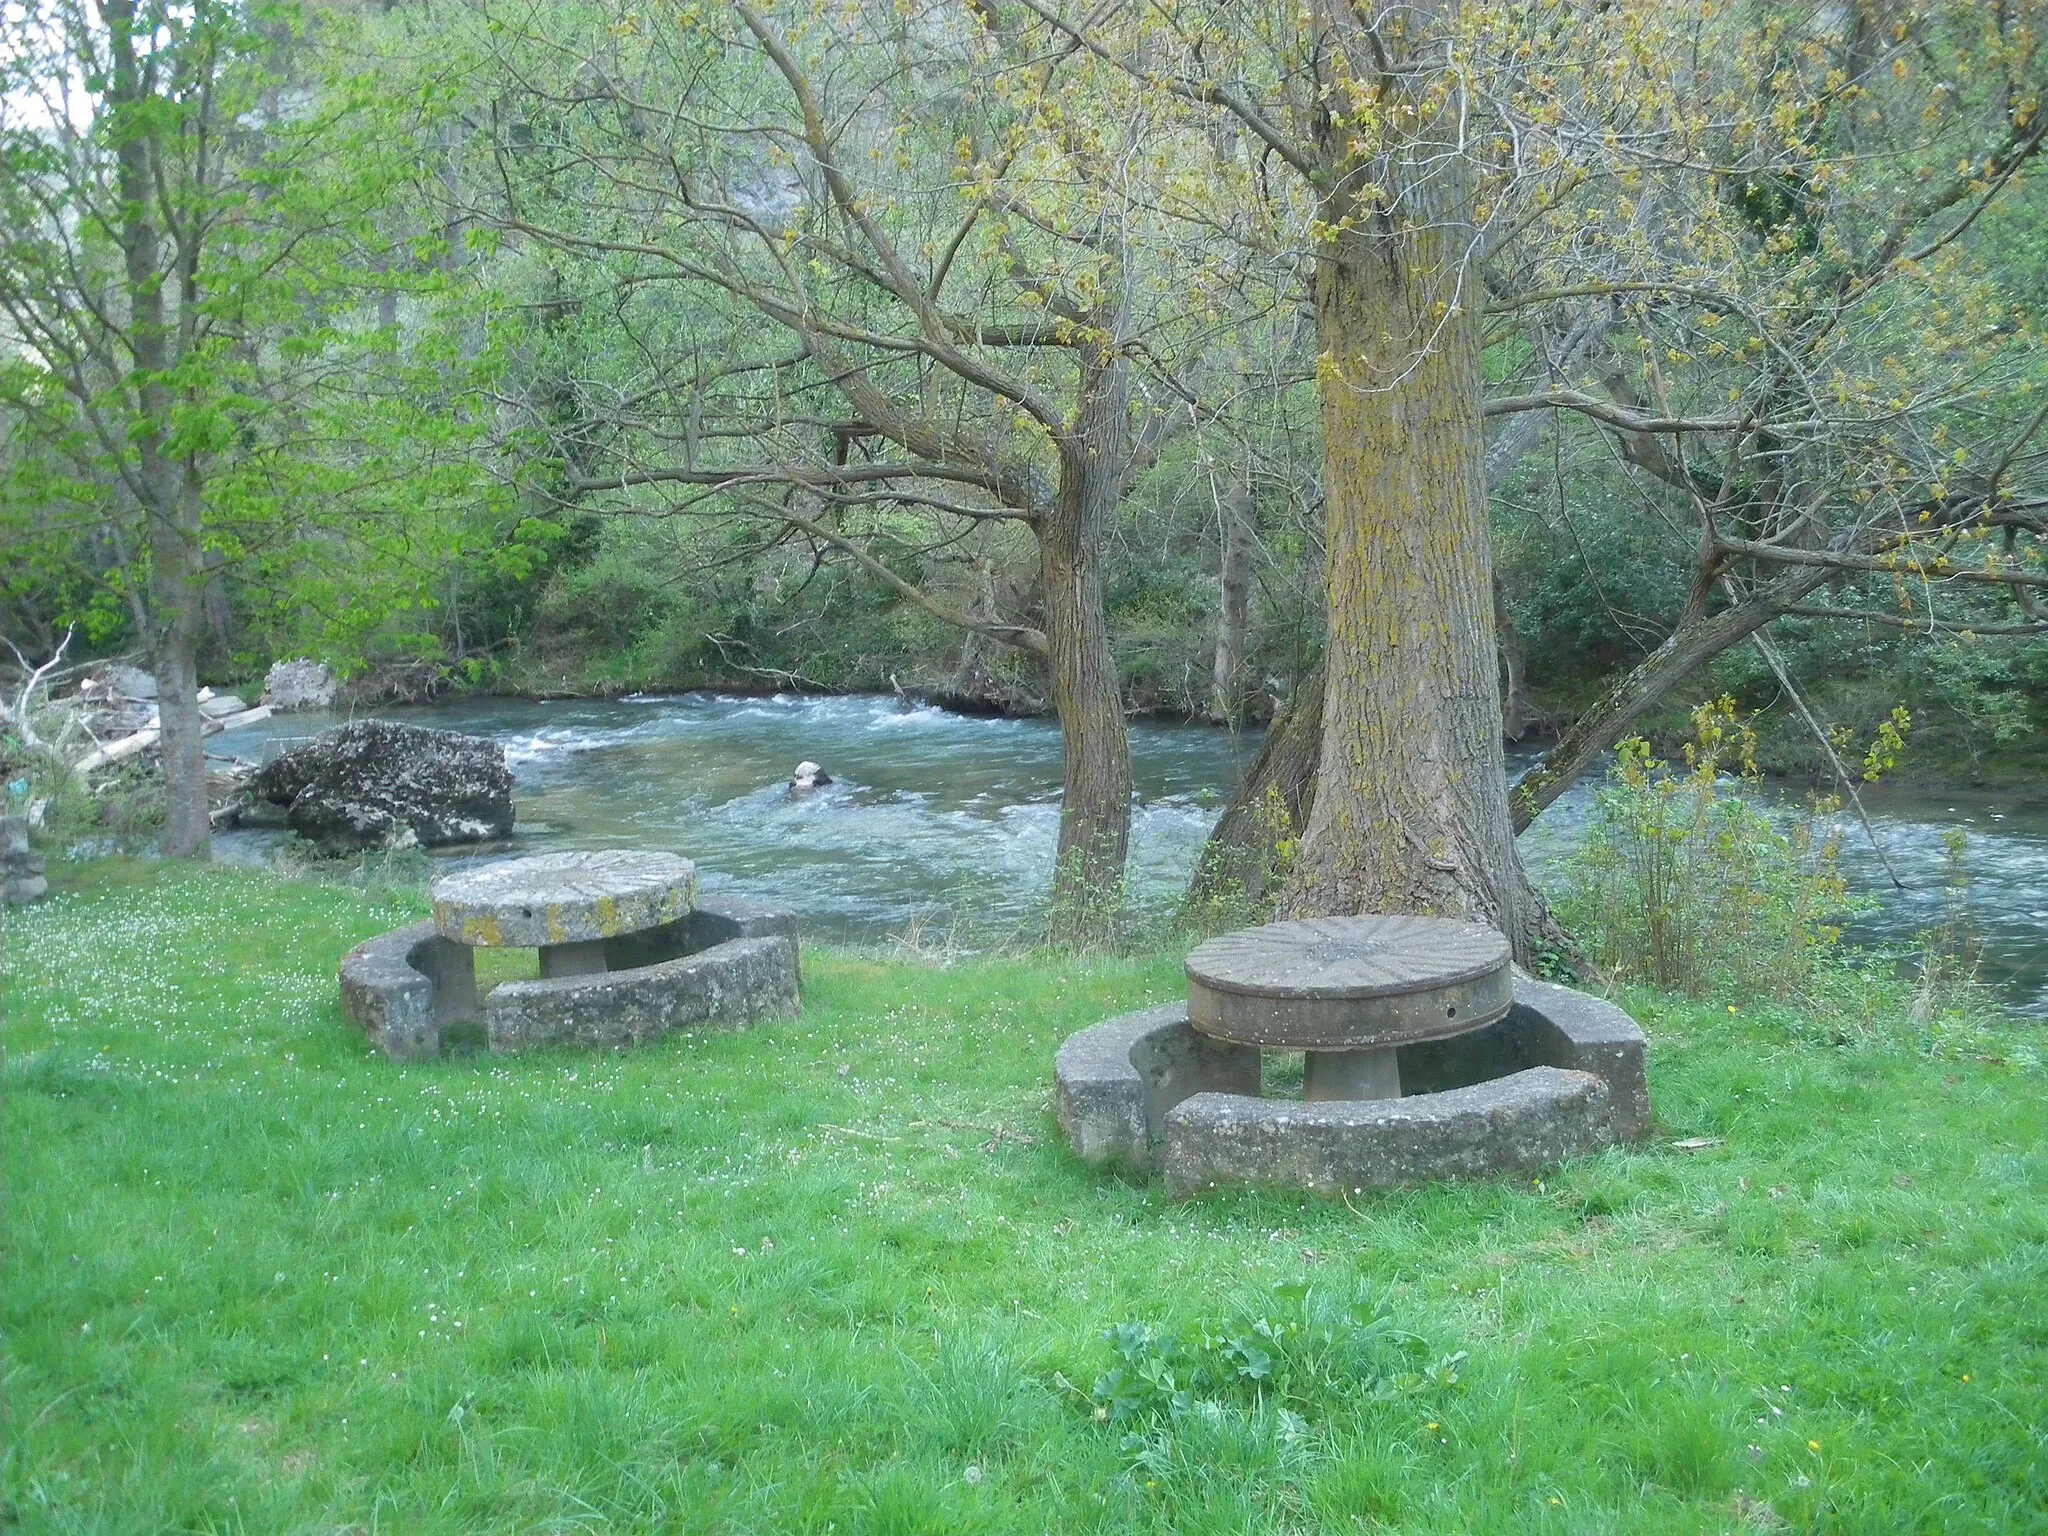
[564, 898]
[1349, 983]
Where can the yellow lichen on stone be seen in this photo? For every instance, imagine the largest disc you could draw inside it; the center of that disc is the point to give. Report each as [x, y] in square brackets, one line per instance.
[482, 932]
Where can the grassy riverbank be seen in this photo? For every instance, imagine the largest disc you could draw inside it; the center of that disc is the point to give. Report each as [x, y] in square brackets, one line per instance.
[837, 1274]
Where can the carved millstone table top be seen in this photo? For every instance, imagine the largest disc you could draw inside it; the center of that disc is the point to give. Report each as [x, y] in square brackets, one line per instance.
[557, 899]
[1349, 983]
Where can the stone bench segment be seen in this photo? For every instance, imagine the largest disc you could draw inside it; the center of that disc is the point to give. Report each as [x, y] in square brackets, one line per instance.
[1569, 1028]
[737, 982]
[716, 920]
[1115, 1082]
[1548, 1026]
[400, 988]
[1529, 1119]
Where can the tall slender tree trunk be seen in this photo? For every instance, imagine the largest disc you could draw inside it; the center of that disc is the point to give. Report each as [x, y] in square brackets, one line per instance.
[175, 598]
[168, 493]
[1095, 811]
[1226, 688]
[1514, 667]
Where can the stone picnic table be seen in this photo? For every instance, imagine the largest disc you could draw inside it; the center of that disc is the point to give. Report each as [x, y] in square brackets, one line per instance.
[1426, 1057]
[566, 905]
[1349, 992]
[628, 953]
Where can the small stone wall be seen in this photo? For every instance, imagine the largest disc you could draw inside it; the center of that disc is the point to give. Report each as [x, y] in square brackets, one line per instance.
[728, 962]
[1560, 1075]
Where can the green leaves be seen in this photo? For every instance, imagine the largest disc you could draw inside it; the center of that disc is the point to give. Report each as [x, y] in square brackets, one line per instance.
[1300, 1348]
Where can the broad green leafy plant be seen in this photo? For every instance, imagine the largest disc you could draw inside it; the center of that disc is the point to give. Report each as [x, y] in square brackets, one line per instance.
[1291, 1355]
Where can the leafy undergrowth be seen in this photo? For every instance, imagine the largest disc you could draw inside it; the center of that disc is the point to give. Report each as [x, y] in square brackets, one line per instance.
[838, 1274]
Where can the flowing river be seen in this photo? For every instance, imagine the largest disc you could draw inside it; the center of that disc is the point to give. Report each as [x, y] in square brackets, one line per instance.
[945, 824]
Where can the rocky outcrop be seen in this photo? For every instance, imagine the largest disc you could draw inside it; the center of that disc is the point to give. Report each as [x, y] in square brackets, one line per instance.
[377, 784]
[300, 684]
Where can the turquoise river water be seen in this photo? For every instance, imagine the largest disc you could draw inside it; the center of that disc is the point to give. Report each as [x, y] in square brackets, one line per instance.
[945, 824]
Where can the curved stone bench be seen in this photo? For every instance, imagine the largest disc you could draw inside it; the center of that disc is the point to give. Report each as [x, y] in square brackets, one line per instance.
[1548, 1026]
[736, 982]
[1528, 1119]
[1469, 1105]
[1115, 1082]
[401, 987]
[729, 961]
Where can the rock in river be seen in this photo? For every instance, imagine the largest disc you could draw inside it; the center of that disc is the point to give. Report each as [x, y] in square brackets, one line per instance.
[300, 684]
[376, 784]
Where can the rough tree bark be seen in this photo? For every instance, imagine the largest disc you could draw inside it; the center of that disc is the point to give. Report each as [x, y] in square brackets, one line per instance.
[1411, 812]
[1095, 812]
[1411, 808]
[1240, 862]
[167, 490]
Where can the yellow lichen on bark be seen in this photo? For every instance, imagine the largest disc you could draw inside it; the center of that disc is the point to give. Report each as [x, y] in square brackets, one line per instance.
[1411, 813]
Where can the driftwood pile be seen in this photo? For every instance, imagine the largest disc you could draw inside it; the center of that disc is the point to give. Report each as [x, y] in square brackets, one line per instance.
[114, 709]
[109, 714]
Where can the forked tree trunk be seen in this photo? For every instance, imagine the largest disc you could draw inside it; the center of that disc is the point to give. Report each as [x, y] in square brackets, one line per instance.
[1095, 809]
[1234, 577]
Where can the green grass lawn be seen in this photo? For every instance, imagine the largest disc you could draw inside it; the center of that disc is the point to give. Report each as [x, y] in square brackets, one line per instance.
[839, 1274]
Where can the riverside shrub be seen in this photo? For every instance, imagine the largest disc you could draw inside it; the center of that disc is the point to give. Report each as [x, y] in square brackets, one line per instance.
[1687, 884]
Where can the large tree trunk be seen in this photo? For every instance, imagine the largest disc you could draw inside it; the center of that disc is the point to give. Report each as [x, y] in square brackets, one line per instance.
[1411, 805]
[1226, 685]
[1234, 848]
[1095, 811]
[168, 495]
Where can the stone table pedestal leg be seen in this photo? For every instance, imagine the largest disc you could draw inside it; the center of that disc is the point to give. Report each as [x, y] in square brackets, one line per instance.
[451, 967]
[1374, 1074]
[572, 959]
